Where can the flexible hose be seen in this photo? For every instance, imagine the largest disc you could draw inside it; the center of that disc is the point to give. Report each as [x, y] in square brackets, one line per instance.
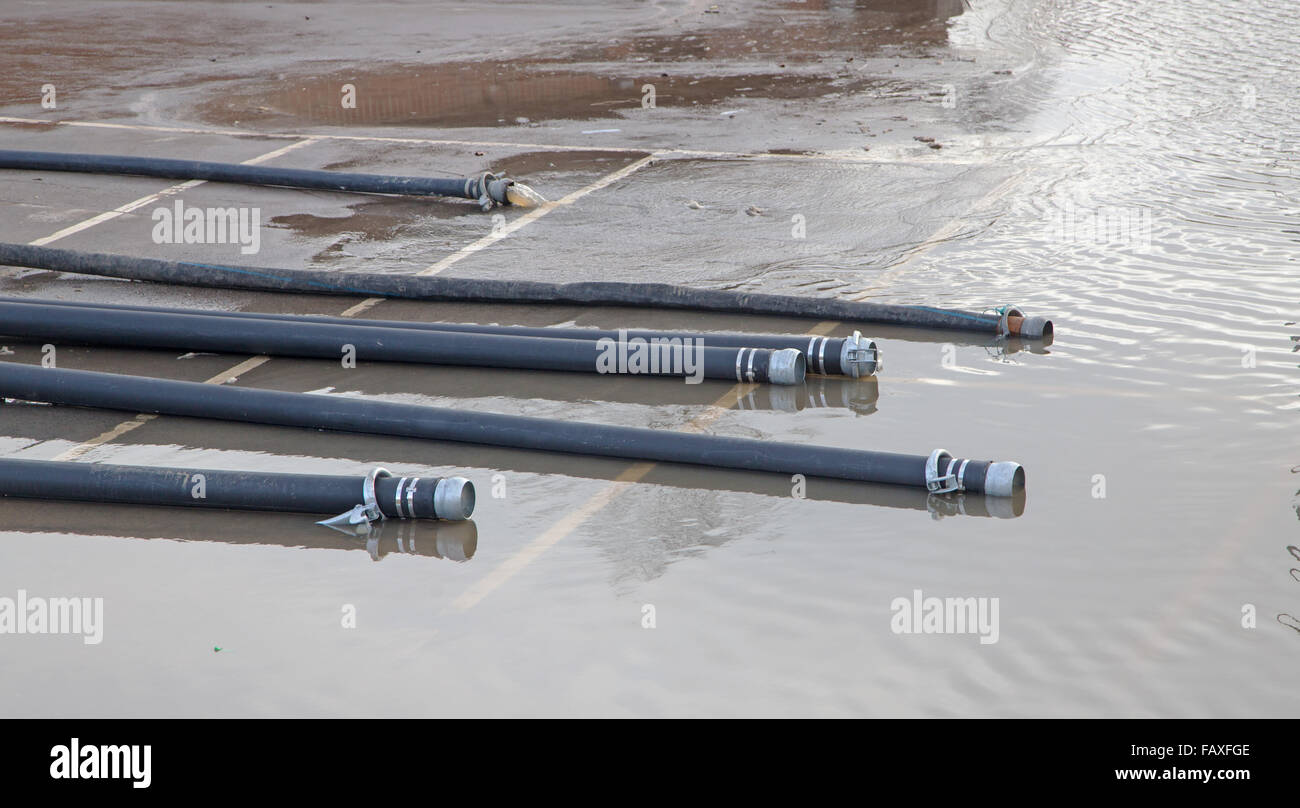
[488, 189]
[195, 332]
[394, 497]
[834, 356]
[81, 388]
[596, 293]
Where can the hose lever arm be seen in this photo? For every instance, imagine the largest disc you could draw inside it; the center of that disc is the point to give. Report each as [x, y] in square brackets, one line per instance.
[365, 513]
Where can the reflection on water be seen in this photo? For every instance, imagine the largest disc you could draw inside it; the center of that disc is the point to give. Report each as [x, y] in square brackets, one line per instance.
[1155, 217]
[858, 395]
[454, 541]
[1148, 206]
[1285, 618]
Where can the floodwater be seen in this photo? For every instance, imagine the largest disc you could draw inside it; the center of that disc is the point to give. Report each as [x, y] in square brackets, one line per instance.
[1125, 169]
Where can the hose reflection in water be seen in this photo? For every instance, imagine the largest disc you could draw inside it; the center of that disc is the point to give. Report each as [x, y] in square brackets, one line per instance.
[858, 395]
[54, 521]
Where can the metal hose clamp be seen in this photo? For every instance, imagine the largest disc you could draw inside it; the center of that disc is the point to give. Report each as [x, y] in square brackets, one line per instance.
[410, 497]
[397, 498]
[859, 357]
[357, 520]
[1004, 322]
[946, 483]
[485, 200]
[369, 498]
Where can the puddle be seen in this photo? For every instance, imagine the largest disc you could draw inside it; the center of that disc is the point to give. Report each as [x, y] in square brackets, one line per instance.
[495, 94]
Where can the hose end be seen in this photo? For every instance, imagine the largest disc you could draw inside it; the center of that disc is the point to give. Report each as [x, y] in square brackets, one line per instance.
[859, 357]
[453, 498]
[1036, 328]
[522, 196]
[1014, 323]
[787, 366]
[495, 190]
[1004, 479]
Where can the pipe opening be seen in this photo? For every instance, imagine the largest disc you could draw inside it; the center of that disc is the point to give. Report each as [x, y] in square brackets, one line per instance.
[467, 496]
[1004, 478]
[453, 498]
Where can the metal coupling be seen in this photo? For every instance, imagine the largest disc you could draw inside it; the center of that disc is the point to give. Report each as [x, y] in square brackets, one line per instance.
[860, 356]
[787, 366]
[494, 190]
[453, 498]
[1003, 479]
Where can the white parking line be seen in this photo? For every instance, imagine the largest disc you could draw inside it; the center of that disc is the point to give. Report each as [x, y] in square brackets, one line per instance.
[243, 367]
[257, 361]
[841, 156]
[523, 221]
[571, 521]
[109, 215]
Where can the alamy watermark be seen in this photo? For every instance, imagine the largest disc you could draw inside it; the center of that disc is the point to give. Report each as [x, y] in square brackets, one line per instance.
[39, 615]
[77, 761]
[1125, 226]
[922, 615]
[675, 356]
[190, 225]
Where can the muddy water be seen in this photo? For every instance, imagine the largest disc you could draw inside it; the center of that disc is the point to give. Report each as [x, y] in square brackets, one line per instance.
[477, 94]
[1154, 211]
[774, 51]
[1121, 167]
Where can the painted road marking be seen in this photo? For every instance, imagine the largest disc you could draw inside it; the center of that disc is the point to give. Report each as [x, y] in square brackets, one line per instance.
[243, 367]
[257, 361]
[108, 216]
[835, 157]
[574, 519]
[523, 221]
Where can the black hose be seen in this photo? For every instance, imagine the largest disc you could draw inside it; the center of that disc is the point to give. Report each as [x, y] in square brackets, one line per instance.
[598, 293]
[193, 332]
[843, 356]
[395, 497]
[82, 388]
[487, 186]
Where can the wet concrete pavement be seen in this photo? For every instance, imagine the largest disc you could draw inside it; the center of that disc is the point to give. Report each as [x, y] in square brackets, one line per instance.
[782, 155]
